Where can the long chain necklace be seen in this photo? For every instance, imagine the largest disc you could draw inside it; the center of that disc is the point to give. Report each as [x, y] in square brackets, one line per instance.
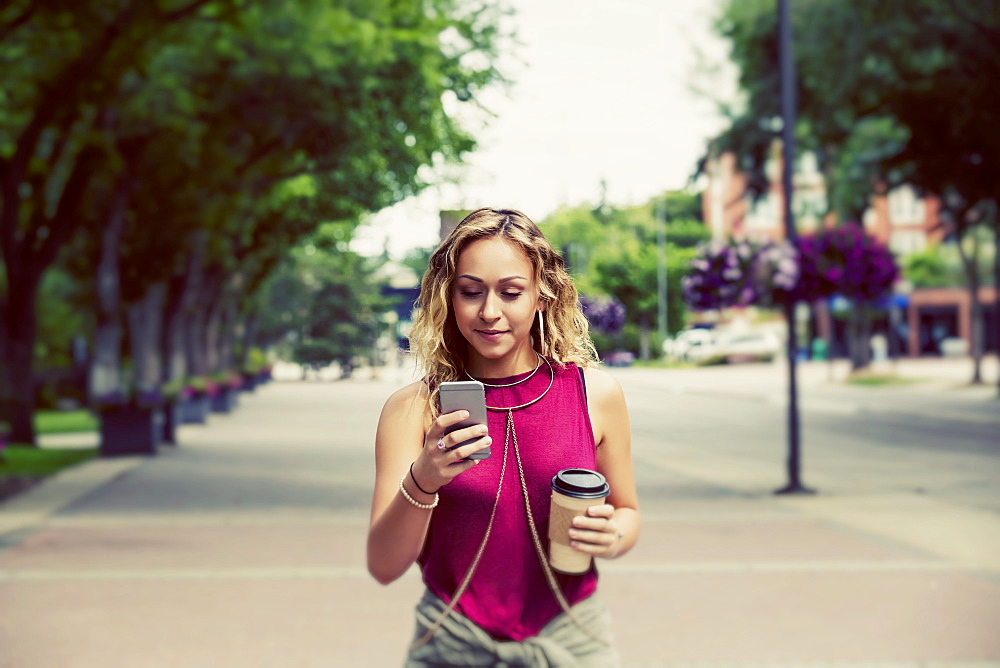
[510, 435]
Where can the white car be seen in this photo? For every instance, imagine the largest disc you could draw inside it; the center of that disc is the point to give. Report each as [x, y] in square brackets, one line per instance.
[690, 345]
[751, 346]
[699, 345]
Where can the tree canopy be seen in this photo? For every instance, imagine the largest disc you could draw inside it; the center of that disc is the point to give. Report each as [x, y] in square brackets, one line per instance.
[193, 142]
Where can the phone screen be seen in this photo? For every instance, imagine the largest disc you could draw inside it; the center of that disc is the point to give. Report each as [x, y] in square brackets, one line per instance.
[471, 396]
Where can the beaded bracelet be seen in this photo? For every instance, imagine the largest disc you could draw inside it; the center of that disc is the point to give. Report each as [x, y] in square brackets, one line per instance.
[422, 506]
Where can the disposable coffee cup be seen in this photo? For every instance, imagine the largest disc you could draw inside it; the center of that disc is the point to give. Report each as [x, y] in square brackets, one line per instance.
[573, 491]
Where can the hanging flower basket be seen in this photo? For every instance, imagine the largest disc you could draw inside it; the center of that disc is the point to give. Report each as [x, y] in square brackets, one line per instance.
[721, 275]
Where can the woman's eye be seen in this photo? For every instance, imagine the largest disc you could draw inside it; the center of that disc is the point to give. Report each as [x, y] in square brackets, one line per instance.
[470, 293]
[512, 295]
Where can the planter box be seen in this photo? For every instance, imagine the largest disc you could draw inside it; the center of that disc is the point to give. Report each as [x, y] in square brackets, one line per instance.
[249, 382]
[194, 410]
[130, 430]
[172, 418]
[225, 401]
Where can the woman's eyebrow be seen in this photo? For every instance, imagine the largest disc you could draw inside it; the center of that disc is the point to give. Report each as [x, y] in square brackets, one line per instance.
[502, 280]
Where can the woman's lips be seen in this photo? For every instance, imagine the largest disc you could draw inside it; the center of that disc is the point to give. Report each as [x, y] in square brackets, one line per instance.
[491, 334]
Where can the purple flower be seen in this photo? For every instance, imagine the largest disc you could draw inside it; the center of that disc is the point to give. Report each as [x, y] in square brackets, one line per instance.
[605, 314]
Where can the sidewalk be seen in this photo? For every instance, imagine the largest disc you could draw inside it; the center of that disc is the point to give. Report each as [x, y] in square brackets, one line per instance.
[244, 546]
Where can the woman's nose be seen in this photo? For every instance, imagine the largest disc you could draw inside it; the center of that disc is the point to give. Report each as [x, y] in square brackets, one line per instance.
[491, 308]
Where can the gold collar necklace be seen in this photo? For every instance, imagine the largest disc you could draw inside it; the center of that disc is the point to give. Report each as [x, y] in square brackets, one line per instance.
[511, 409]
[516, 382]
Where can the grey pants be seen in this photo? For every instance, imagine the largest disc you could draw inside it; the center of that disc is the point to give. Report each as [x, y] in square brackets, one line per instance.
[459, 642]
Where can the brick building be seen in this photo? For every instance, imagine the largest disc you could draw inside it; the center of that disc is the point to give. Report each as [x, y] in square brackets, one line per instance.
[902, 219]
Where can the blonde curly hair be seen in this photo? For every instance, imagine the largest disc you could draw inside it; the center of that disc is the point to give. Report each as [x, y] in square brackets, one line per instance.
[435, 339]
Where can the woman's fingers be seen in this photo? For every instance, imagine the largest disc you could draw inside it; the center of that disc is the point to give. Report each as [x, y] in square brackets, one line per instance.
[436, 435]
[441, 460]
[452, 441]
[596, 532]
[470, 449]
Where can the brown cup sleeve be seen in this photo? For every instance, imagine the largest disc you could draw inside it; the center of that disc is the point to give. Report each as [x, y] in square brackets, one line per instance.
[561, 517]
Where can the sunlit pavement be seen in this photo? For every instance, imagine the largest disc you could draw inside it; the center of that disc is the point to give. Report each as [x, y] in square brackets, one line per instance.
[244, 546]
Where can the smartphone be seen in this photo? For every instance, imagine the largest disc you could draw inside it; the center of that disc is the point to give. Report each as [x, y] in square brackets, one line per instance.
[469, 395]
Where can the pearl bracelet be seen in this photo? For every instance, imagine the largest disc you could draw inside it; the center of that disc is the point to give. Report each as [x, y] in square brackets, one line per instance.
[422, 506]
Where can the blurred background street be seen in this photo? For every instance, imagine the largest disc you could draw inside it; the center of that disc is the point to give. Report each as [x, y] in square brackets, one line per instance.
[246, 545]
[214, 219]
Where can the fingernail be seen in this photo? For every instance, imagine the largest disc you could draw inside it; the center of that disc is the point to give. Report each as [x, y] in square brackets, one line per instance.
[487, 440]
[464, 414]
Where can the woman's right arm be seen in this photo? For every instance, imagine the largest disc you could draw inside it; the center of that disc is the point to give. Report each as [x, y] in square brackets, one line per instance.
[406, 435]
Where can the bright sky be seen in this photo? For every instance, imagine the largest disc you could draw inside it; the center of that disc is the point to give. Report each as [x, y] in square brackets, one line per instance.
[605, 89]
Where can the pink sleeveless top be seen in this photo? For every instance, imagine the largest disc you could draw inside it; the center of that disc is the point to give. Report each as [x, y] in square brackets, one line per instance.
[509, 596]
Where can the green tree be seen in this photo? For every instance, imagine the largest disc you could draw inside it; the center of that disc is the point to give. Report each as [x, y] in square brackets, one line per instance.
[878, 89]
[195, 142]
[63, 67]
[615, 252]
[338, 307]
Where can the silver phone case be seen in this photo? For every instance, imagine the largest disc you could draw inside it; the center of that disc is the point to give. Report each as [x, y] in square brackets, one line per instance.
[470, 395]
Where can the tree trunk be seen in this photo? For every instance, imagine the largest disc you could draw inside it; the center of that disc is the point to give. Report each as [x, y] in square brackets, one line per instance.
[211, 306]
[996, 284]
[193, 313]
[247, 337]
[228, 325]
[173, 365]
[859, 337]
[5, 388]
[970, 263]
[194, 349]
[21, 314]
[644, 336]
[976, 334]
[105, 368]
[145, 319]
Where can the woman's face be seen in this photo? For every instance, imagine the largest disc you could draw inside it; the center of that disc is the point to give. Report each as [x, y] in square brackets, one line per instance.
[494, 298]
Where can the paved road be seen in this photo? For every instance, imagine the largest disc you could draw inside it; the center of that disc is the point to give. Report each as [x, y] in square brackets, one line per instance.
[245, 546]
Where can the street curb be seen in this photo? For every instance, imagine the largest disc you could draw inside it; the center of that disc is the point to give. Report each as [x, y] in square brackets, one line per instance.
[60, 490]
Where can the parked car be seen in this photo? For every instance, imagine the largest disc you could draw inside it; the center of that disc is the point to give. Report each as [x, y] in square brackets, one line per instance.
[752, 346]
[690, 345]
[705, 346]
[619, 358]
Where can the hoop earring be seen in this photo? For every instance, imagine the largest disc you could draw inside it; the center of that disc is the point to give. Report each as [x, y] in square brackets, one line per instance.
[541, 332]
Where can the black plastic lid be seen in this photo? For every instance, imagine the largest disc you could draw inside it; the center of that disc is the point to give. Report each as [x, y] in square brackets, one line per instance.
[580, 484]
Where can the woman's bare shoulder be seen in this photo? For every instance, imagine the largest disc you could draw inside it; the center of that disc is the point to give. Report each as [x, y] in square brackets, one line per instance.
[408, 402]
[601, 385]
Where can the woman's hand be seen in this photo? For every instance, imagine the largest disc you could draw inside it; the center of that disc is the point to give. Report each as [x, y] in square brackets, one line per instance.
[597, 533]
[437, 465]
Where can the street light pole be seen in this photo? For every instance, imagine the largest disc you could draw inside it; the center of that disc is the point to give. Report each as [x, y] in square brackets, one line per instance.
[788, 109]
[661, 270]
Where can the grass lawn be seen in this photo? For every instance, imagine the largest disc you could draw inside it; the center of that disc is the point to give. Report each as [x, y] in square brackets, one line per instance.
[22, 466]
[878, 380]
[20, 460]
[63, 422]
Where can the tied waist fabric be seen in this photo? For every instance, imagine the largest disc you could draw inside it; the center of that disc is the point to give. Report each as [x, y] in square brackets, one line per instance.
[561, 643]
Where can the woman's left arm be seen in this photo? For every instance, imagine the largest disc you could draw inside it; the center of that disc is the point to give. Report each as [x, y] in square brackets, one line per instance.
[609, 530]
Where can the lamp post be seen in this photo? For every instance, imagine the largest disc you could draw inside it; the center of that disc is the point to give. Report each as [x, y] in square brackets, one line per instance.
[788, 105]
[661, 271]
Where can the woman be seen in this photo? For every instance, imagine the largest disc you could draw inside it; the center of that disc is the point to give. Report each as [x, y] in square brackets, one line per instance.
[497, 305]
